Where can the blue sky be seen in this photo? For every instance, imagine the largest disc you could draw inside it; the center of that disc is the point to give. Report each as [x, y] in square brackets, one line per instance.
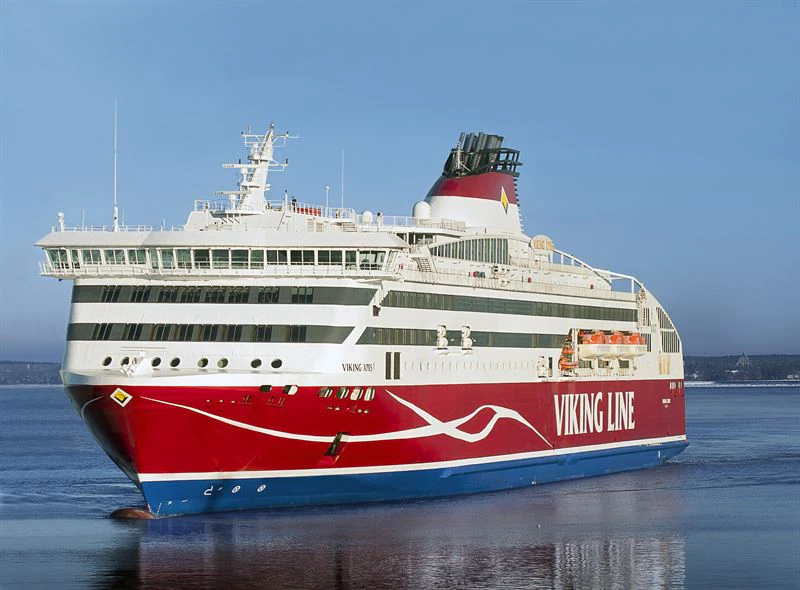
[659, 139]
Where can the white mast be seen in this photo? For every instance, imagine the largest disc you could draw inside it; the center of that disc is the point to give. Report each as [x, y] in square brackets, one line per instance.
[342, 181]
[116, 211]
[253, 183]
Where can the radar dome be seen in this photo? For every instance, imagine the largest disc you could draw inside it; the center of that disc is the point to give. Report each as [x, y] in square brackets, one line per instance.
[366, 217]
[422, 210]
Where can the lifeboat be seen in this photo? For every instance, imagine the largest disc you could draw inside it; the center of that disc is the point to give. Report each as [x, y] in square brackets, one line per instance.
[598, 345]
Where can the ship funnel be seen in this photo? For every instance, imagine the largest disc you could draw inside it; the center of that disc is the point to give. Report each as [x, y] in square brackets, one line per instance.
[478, 185]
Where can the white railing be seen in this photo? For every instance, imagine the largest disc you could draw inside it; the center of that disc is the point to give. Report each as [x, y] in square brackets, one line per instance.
[514, 284]
[111, 228]
[140, 270]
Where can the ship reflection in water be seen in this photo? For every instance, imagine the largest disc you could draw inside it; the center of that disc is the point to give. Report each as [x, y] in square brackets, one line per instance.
[532, 538]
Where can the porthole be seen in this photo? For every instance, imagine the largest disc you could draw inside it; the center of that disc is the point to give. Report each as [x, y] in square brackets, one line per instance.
[156, 361]
[175, 362]
[290, 389]
[106, 361]
[222, 363]
[255, 363]
[277, 364]
[202, 363]
[125, 360]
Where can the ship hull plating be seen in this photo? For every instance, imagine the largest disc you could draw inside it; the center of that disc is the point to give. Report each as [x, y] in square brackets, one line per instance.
[202, 449]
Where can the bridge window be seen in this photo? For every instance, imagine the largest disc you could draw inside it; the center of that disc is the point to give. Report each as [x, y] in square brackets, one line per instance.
[257, 259]
[183, 258]
[221, 258]
[276, 257]
[91, 257]
[302, 256]
[202, 258]
[137, 256]
[115, 256]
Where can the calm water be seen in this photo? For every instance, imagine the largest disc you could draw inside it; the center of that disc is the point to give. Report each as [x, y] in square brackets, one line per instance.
[725, 513]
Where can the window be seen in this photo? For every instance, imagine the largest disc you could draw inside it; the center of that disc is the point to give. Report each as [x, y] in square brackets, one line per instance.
[371, 259]
[153, 258]
[263, 333]
[175, 362]
[167, 258]
[91, 257]
[369, 395]
[183, 258]
[132, 332]
[341, 393]
[183, 332]
[201, 258]
[350, 259]
[140, 294]
[101, 331]
[76, 261]
[239, 258]
[220, 258]
[232, 333]
[356, 393]
[161, 332]
[302, 294]
[168, 294]
[301, 256]
[215, 295]
[115, 256]
[257, 259]
[208, 332]
[324, 391]
[238, 294]
[332, 257]
[109, 293]
[295, 333]
[190, 294]
[137, 256]
[58, 258]
[268, 294]
[255, 363]
[276, 257]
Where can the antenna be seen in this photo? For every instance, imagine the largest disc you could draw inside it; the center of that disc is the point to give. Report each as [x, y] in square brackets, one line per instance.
[116, 212]
[342, 181]
[327, 188]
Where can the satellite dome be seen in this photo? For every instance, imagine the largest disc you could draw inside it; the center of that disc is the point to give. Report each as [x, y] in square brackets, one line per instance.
[422, 210]
[366, 217]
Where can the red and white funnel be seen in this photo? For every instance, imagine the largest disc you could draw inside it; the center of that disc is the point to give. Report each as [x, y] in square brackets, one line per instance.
[478, 185]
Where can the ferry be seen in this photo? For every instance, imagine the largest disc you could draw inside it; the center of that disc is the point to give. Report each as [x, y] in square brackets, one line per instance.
[276, 353]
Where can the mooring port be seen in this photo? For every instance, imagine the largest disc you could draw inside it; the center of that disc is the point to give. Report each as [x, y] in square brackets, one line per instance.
[336, 445]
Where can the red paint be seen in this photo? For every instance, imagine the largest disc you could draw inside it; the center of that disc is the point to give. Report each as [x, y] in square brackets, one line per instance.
[479, 186]
[149, 437]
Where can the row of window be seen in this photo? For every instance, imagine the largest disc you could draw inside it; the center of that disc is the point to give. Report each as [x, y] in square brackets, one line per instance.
[354, 394]
[215, 258]
[208, 333]
[670, 342]
[493, 250]
[417, 337]
[446, 302]
[663, 320]
[195, 294]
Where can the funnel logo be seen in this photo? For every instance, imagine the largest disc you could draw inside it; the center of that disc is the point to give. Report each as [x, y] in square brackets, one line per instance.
[121, 397]
[504, 199]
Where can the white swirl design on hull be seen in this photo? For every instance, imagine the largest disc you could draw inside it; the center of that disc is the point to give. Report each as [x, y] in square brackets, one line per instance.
[434, 426]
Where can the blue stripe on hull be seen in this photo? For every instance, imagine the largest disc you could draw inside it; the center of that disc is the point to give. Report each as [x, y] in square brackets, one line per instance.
[193, 496]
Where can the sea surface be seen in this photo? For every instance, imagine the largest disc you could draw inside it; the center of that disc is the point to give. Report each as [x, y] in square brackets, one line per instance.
[724, 514]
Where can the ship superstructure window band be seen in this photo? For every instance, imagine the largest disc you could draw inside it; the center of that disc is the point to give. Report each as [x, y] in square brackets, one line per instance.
[192, 294]
[209, 333]
[444, 302]
[493, 250]
[215, 258]
[416, 337]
